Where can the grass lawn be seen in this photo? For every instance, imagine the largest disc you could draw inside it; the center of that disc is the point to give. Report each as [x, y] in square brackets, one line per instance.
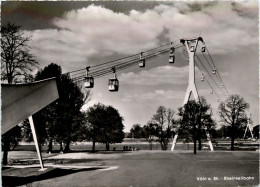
[145, 168]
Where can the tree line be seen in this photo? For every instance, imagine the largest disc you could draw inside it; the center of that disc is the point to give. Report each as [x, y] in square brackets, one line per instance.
[194, 121]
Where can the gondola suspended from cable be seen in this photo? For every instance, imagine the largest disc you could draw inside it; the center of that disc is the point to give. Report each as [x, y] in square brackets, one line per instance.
[203, 48]
[89, 80]
[202, 78]
[113, 83]
[172, 55]
[211, 92]
[142, 61]
[214, 71]
[217, 99]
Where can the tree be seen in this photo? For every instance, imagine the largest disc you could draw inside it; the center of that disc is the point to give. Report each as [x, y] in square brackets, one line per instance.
[196, 120]
[104, 125]
[71, 99]
[150, 130]
[163, 118]
[10, 140]
[16, 66]
[60, 121]
[205, 121]
[45, 119]
[188, 120]
[233, 113]
[94, 121]
[136, 131]
[113, 127]
[16, 60]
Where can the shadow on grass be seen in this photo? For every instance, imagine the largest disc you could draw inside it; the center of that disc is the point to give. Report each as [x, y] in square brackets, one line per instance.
[99, 151]
[52, 173]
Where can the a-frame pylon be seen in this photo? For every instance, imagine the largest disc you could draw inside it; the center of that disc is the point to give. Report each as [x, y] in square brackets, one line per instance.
[249, 127]
[191, 46]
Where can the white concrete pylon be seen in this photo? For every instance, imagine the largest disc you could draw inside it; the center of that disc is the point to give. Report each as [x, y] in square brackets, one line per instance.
[36, 143]
[249, 127]
[191, 46]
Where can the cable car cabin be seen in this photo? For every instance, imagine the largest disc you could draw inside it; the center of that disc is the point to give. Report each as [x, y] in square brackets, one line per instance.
[192, 49]
[142, 63]
[113, 84]
[89, 82]
[171, 58]
[203, 49]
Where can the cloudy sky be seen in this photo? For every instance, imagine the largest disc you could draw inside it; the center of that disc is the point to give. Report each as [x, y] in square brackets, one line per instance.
[78, 34]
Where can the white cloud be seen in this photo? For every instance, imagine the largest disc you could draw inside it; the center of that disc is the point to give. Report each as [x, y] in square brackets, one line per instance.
[158, 76]
[102, 28]
[96, 31]
[153, 96]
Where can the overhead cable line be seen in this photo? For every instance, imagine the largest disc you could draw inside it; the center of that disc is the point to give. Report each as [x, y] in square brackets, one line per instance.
[216, 71]
[185, 53]
[108, 70]
[123, 57]
[214, 91]
[125, 64]
[119, 61]
[209, 74]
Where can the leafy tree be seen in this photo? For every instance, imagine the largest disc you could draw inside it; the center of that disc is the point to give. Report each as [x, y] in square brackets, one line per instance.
[226, 131]
[113, 127]
[196, 120]
[10, 140]
[205, 121]
[233, 113]
[150, 131]
[163, 118]
[61, 120]
[94, 121]
[188, 120]
[46, 119]
[71, 99]
[137, 131]
[104, 125]
[16, 66]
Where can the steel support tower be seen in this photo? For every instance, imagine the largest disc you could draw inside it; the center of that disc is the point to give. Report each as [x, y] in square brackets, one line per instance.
[249, 127]
[191, 46]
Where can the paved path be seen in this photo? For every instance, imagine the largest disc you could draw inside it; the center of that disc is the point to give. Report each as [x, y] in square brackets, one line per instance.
[144, 168]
